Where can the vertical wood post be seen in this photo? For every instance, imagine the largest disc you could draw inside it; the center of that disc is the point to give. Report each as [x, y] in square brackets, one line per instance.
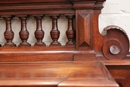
[70, 33]
[9, 34]
[39, 33]
[55, 32]
[24, 34]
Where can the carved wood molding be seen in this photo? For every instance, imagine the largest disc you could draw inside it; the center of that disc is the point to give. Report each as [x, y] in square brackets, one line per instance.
[35, 7]
[83, 28]
[88, 38]
[116, 43]
[56, 65]
[56, 74]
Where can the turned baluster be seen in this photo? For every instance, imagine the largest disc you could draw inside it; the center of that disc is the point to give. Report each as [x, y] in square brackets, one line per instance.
[55, 32]
[24, 34]
[9, 34]
[39, 33]
[70, 33]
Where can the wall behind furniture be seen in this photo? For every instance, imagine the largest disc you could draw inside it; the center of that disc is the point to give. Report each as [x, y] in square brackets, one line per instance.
[115, 12]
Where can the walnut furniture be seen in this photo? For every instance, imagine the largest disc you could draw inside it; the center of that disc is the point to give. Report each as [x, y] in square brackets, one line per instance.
[88, 59]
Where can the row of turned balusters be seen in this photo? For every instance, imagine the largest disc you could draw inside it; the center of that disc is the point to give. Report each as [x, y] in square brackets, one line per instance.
[39, 33]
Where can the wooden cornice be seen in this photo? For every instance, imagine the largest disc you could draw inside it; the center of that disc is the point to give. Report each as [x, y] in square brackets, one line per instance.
[8, 7]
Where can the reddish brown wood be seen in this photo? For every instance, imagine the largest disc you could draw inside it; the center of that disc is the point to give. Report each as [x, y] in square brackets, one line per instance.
[24, 34]
[64, 66]
[65, 74]
[102, 44]
[120, 70]
[9, 34]
[70, 33]
[117, 46]
[121, 74]
[83, 28]
[55, 33]
[39, 33]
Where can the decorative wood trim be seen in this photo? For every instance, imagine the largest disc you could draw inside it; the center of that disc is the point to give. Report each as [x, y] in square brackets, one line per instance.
[62, 65]
[63, 74]
[83, 28]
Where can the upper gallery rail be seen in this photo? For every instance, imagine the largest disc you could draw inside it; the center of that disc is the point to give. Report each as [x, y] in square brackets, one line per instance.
[22, 9]
[39, 32]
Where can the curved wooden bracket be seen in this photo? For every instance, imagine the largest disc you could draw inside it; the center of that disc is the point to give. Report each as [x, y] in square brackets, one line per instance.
[115, 43]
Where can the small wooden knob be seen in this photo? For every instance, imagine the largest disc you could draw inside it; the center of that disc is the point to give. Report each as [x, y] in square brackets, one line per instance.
[114, 50]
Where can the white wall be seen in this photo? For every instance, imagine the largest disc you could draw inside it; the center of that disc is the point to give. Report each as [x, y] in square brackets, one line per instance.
[115, 12]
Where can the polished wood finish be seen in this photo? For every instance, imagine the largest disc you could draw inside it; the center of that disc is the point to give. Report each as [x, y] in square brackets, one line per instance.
[64, 74]
[55, 33]
[24, 34]
[70, 33]
[9, 34]
[117, 46]
[120, 71]
[82, 61]
[83, 28]
[121, 74]
[39, 33]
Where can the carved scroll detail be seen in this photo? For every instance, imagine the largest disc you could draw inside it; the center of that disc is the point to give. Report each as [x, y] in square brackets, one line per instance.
[116, 43]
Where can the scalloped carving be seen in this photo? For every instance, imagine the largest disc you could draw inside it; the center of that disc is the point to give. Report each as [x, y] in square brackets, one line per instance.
[116, 43]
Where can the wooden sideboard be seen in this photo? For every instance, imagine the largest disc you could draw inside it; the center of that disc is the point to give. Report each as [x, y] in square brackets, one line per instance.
[88, 59]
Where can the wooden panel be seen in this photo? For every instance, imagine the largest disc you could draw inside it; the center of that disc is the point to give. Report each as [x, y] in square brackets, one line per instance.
[35, 57]
[83, 28]
[85, 74]
[85, 57]
[42, 53]
[121, 74]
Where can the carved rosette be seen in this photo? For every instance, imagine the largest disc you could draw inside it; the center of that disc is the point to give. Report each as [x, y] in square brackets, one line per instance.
[116, 43]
